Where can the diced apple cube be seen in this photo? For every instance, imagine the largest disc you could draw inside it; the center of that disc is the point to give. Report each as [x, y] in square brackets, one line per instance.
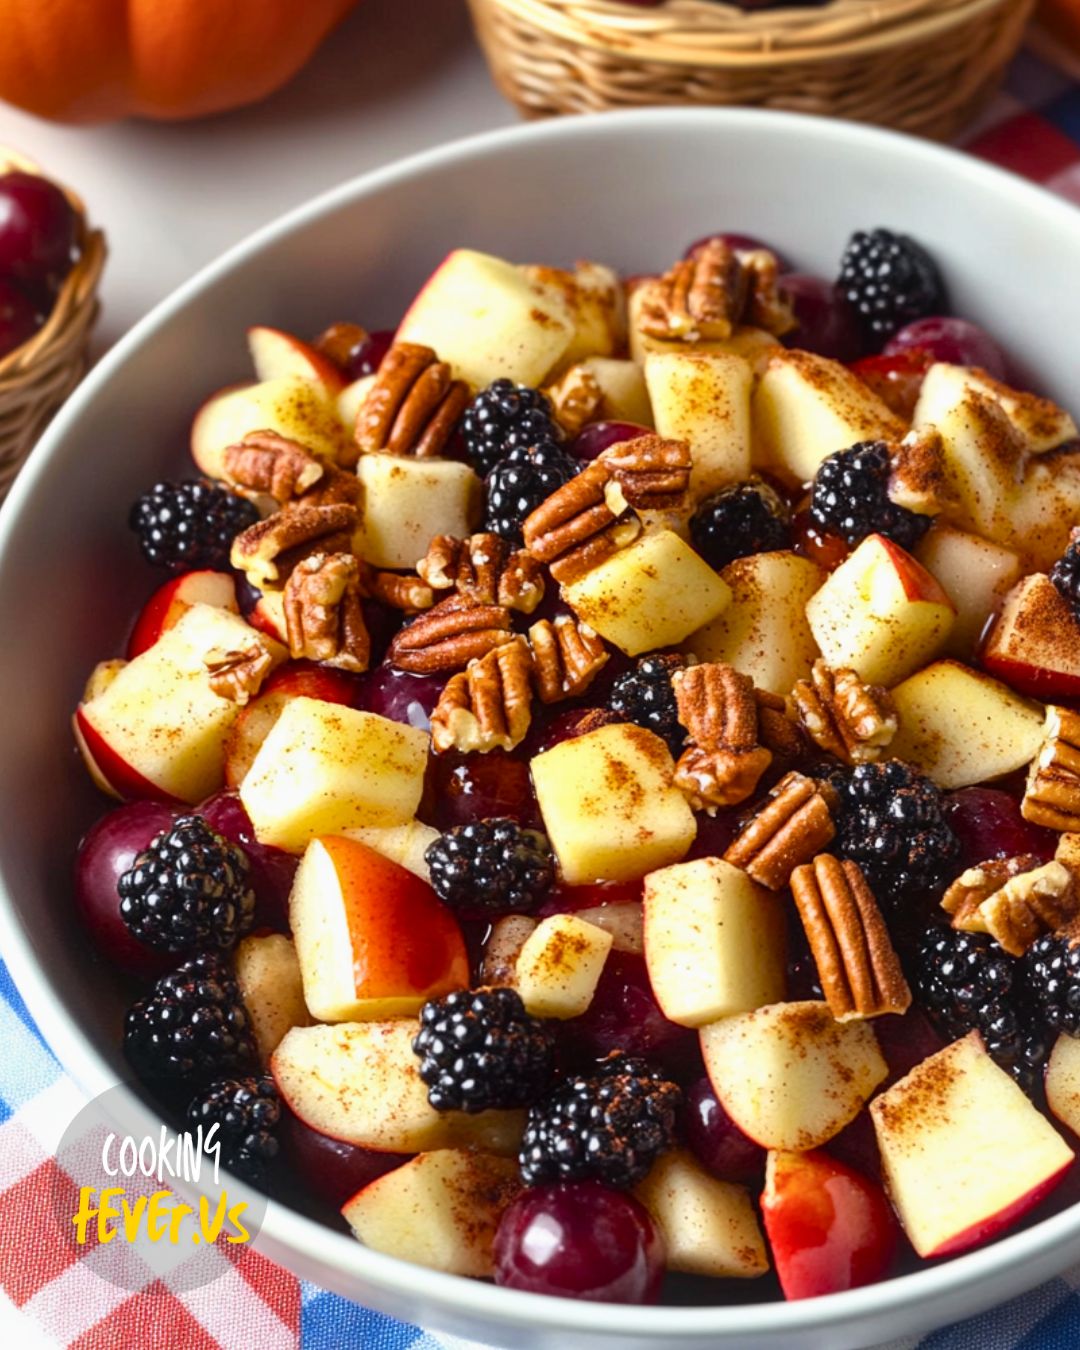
[652, 594]
[407, 502]
[560, 965]
[764, 633]
[880, 613]
[1041, 423]
[157, 728]
[325, 768]
[964, 1153]
[440, 1210]
[489, 321]
[268, 974]
[704, 398]
[709, 1226]
[789, 1075]
[807, 407]
[298, 409]
[360, 1082]
[609, 804]
[404, 844]
[714, 942]
[975, 574]
[1034, 642]
[961, 727]
[1063, 1080]
[593, 297]
[626, 395]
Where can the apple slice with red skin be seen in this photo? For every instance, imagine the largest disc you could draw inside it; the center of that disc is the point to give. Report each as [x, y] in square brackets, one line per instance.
[830, 1228]
[276, 354]
[1033, 644]
[295, 679]
[110, 772]
[329, 1168]
[170, 602]
[373, 939]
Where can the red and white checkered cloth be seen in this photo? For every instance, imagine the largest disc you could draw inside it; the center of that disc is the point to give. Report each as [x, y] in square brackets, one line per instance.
[1033, 129]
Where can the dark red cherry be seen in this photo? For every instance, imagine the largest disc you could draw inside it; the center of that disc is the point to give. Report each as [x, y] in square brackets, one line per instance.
[107, 850]
[957, 341]
[827, 323]
[597, 437]
[479, 787]
[330, 1168]
[37, 229]
[580, 1240]
[624, 1015]
[988, 823]
[400, 696]
[897, 379]
[716, 1140]
[367, 357]
[19, 317]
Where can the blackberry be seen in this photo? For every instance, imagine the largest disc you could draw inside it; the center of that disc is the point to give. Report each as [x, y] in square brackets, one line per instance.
[189, 524]
[490, 867]
[889, 819]
[246, 1112]
[610, 1125]
[504, 417]
[1065, 574]
[519, 483]
[479, 1049]
[967, 982]
[645, 695]
[739, 520]
[890, 280]
[192, 1026]
[1053, 981]
[850, 497]
[188, 889]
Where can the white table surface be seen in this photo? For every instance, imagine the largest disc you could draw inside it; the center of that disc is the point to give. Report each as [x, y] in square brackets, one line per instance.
[396, 77]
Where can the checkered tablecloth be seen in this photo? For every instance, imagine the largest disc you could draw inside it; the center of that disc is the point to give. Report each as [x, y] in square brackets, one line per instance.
[1033, 129]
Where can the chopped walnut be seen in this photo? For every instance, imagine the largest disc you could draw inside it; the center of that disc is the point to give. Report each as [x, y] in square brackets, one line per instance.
[413, 405]
[845, 717]
[238, 675]
[324, 618]
[488, 705]
[791, 827]
[566, 657]
[485, 569]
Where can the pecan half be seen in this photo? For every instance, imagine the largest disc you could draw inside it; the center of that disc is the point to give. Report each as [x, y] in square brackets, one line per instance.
[1052, 794]
[653, 472]
[268, 550]
[413, 405]
[269, 464]
[488, 705]
[485, 569]
[859, 969]
[576, 398]
[566, 657]
[776, 731]
[1015, 900]
[581, 524]
[769, 306]
[324, 619]
[702, 296]
[238, 675]
[845, 717]
[724, 762]
[449, 636]
[398, 590]
[791, 827]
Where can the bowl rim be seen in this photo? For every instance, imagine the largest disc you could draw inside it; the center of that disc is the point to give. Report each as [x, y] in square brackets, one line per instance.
[287, 1233]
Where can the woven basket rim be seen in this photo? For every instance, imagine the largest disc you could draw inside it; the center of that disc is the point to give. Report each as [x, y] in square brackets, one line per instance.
[75, 302]
[720, 36]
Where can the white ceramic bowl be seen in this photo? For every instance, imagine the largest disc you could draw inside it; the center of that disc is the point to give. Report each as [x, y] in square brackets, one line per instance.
[630, 189]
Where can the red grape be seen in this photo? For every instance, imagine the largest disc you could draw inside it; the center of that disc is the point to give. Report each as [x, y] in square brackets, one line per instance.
[329, 1168]
[399, 696]
[107, 850]
[896, 379]
[580, 1240]
[989, 825]
[367, 357]
[19, 318]
[624, 1015]
[827, 323]
[954, 340]
[37, 228]
[717, 1141]
[597, 437]
[271, 870]
[480, 787]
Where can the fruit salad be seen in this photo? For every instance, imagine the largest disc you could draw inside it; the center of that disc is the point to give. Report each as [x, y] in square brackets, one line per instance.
[600, 780]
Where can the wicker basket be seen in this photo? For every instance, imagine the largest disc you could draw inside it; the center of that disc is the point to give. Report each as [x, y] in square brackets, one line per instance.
[37, 377]
[923, 66]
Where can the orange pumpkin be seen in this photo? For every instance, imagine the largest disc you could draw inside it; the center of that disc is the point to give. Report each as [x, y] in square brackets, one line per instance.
[95, 60]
